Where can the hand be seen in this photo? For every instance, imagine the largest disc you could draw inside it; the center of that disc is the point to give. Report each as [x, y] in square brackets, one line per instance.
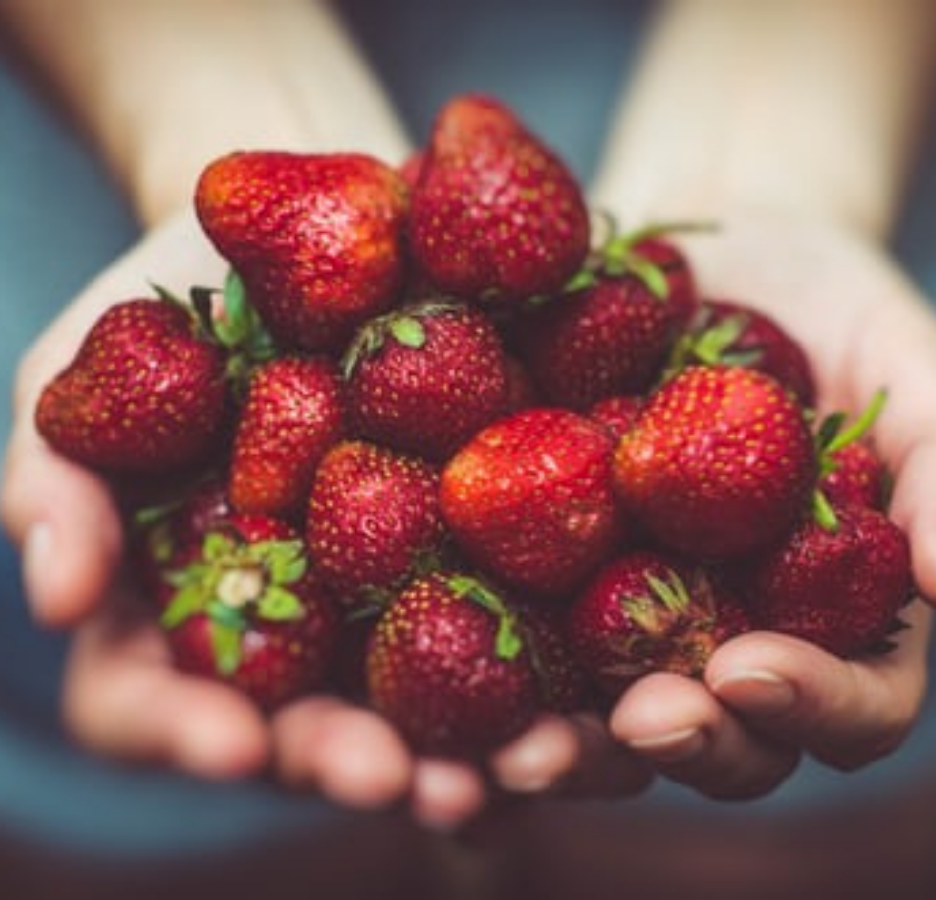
[122, 696]
[767, 698]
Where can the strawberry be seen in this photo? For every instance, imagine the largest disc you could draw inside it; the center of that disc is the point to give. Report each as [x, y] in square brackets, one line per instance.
[617, 413]
[646, 612]
[425, 378]
[839, 587]
[857, 475]
[612, 329]
[373, 521]
[293, 413]
[316, 238]
[496, 216]
[448, 666]
[736, 334]
[561, 680]
[610, 338]
[719, 463]
[530, 499]
[145, 392]
[245, 610]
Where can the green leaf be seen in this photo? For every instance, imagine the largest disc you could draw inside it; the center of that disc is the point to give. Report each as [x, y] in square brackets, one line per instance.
[650, 274]
[226, 644]
[216, 547]
[507, 644]
[408, 331]
[823, 513]
[580, 281]
[279, 605]
[185, 603]
[861, 425]
[223, 614]
[710, 346]
[671, 593]
[285, 561]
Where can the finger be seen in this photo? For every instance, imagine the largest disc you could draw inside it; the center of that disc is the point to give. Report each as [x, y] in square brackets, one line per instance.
[446, 793]
[918, 519]
[574, 754]
[845, 713]
[678, 726]
[62, 517]
[124, 699]
[350, 754]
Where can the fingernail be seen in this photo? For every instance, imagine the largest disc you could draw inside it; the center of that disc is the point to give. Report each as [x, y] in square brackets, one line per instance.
[38, 552]
[756, 690]
[529, 771]
[676, 746]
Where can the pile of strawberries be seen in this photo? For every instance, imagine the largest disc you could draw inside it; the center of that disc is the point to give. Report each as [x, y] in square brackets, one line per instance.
[440, 446]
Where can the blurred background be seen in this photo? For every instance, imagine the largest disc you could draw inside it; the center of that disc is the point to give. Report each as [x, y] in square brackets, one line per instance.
[73, 826]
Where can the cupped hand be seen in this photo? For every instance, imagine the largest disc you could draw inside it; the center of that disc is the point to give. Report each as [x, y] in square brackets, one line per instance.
[766, 699]
[122, 696]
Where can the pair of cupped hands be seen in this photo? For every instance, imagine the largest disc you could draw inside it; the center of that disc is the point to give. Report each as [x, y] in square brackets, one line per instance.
[765, 699]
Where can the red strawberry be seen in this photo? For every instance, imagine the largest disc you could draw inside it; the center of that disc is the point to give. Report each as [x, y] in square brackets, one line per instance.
[858, 476]
[841, 588]
[530, 499]
[561, 680]
[425, 378]
[496, 215]
[617, 413]
[294, 412]
[373, 520]
[645, 612]
[850, 471]
[610, 338]
[448, 666]
[719, 463]
[736, 334]
[245, 610]
[145, 393]
[317, 238]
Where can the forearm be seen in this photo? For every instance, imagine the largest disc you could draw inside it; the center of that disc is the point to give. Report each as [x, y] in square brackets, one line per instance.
[162, 86]
[809, 107]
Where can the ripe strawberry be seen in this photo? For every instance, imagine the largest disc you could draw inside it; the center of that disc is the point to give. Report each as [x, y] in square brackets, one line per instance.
[317, 238]
[646, 612]
[245, 610]
[293, 413]
[858, 476]
[850, 471]
[736, 334]
[426, 377]
[530, 499]
[373, 521]
[496, 215]
[145, 392]
[561, 681]
[448, 666]
[166, 535]
[617, 413]
[841, 588]
[719, 463]
[610, 338]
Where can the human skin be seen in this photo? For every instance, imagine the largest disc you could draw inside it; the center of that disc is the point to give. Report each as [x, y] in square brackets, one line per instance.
[726, 736]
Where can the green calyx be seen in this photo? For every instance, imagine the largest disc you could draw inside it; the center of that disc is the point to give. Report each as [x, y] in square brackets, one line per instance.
[667, 600]
[404, 326]
[233, 581]
[831, 436]
[707, 344]
[508, 641]
[226, 317]
[619, 255]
